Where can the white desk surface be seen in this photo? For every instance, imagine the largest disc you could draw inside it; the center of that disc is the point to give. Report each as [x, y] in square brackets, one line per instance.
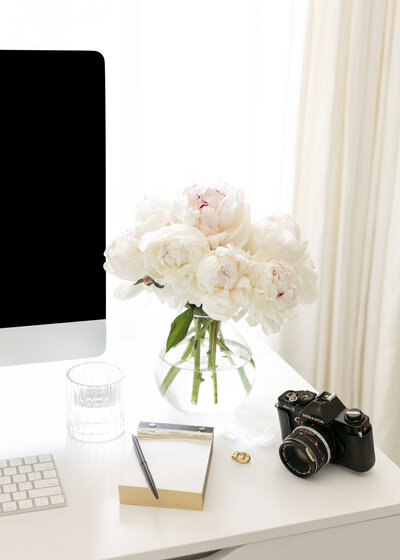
[243, 504]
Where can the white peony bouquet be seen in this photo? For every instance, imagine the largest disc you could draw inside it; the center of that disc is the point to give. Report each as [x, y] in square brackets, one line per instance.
[200, 252]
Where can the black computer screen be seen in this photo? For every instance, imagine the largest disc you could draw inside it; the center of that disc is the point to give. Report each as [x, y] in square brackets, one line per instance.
[52, 187]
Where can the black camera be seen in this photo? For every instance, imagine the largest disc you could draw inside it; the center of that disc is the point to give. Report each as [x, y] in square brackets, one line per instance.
[319, 429]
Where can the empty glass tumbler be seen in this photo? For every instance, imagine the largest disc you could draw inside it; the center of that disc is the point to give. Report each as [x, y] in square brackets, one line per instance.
[95, 401]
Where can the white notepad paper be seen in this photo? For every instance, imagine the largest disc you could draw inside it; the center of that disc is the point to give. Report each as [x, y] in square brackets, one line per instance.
[178, 457]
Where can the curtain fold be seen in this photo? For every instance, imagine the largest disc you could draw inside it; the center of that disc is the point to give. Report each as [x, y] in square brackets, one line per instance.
[347, 202]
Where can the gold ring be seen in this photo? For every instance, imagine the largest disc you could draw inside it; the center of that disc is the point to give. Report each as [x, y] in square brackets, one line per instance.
[241, 457]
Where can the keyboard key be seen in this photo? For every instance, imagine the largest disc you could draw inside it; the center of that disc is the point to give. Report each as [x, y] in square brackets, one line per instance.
[19, 496]
[5, 498]
[9, 470]
[5, 479]
[34, 475]
[19, 478]
[45, 458]
[57, 499]
[3, 464]
[46, 483]
[42, 467]
[9, 488]
[49, 474]
[25, 504]
[9, 506]
[25, 485]
[30, 460]
[25, 469]
[42, 502]
[15, 462]
[40, 492]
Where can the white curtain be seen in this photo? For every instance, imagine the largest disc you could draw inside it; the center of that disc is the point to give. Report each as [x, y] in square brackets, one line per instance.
[347, 202]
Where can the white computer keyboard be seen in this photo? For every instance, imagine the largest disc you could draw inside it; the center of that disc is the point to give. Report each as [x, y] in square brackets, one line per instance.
[29, 484]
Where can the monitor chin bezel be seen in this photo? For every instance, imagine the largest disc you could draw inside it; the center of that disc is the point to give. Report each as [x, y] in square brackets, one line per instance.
[52, 342]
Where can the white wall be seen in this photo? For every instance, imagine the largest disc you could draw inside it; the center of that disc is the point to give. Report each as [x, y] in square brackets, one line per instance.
[193, 89]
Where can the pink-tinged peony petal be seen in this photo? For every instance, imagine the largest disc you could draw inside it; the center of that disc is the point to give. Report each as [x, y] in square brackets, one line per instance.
[209, 221]
[218, 210]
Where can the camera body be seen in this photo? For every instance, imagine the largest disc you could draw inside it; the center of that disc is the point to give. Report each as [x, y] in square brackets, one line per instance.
[318, 429]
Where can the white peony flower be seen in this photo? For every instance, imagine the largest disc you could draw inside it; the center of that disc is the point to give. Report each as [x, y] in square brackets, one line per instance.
[171, 254]
[306, 278]
[218, 210]
[152, 213]
[273, 295]
[124, 258]
[276, 237]
[214, 258]
[277, 287]
[223, 285]
[284, 282]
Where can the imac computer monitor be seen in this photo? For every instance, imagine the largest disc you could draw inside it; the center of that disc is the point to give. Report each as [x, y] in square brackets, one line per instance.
[52, 205]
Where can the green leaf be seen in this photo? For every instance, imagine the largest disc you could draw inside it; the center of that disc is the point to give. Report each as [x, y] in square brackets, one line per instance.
[179, 328]
[197, 310]
[138, 282]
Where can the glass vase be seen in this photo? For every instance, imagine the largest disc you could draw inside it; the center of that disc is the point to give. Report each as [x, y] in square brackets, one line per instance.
[210, 371]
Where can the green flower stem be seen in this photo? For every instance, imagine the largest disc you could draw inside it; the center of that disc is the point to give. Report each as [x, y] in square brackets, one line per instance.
[174, 370]
[244, 379]
[187, 354]
[222, 345]
[197, 378]
[212, 355]
[242, 374]
[169, 377]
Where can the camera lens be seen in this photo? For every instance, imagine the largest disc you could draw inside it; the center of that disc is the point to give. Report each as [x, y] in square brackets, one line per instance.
[300, 455]
[304, 451]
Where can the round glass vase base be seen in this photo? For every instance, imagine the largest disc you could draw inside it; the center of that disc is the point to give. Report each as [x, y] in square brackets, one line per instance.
[231, 393]
[203, 376]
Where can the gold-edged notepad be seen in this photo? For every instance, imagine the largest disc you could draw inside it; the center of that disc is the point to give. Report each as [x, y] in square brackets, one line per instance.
[178, 457]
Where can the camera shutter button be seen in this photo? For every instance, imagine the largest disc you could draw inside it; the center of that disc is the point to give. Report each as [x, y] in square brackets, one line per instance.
[353, 415]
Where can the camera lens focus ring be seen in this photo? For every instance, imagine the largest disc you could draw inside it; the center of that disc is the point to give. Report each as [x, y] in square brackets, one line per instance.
[304, 451]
